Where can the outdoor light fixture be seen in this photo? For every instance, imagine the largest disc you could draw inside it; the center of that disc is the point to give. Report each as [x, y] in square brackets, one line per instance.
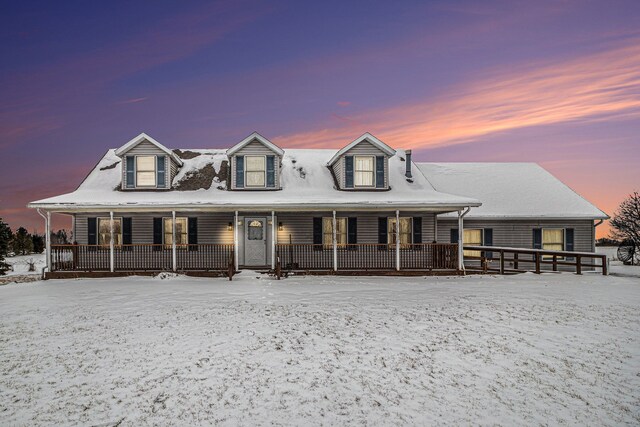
[230, 226]
[280, 227]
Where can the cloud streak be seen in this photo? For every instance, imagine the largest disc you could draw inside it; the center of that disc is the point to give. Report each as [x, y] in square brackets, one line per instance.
[604, 85]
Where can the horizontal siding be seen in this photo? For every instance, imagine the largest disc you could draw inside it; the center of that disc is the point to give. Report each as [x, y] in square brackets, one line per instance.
[255, 148]
[365, 148]
[212, 227]
[145, 148]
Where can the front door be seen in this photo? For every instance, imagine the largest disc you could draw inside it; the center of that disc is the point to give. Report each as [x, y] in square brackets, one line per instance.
[255, 242]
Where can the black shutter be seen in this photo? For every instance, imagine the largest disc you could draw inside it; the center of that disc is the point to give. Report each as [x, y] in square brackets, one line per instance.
[317, 233]
[127, 238]
[239, 171]
[454, 235]
[488, 241]
[568, 244]
[382, 233]
[157, 233]
[161, 171]
[92, 231]
[417, 229]
[352, 232]
[271, 171]
[130, 172]
[537, 238]
[193, 233]
[379, 171]
[348, 171]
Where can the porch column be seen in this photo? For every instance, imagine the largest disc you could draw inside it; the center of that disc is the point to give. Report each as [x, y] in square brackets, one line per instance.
[273, 240]
[111, 241]
[47, 226]
[73, 228]
[335, 244]
[460, 241]
[174, 260]
[235, 241]
[397, 240]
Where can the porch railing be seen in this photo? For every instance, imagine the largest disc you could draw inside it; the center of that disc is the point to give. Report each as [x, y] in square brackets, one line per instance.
[367, 256]
[141, 257]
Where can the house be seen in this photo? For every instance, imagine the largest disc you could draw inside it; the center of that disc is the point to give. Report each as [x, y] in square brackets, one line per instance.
[366, 207]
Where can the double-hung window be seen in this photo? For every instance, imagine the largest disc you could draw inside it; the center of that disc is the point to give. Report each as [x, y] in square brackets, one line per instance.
[255, 171]
[364, 171]
[181, 232]
[145, 171]
[404, 232]
[327, 232]
[552, 240]
[472, 237]
[104, 231]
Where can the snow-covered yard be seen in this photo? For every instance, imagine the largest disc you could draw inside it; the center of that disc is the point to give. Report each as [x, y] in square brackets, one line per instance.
[556, 348]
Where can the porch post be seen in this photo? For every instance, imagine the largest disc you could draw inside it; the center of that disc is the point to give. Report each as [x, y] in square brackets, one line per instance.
[435, 227]
[397, 240]
[73, 228]
[460, 241]
[174, 260]
[273, 239]
[235, 241]
[335, 244]
[111, 241]
[47, 226]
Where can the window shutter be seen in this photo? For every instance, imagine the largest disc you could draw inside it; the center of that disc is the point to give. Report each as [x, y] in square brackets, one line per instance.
[454, 235]
[161, 174]
[348, 172]
[569, 237]
[537, 238]
[192, 226]
[317, 233]
[239, 171]
[352, 231]
[130, 172]
[271, 171]
[488, 240]
[382, 233]
[92, 231]
[417, 229]
[127, 238]
[379, 171]
[157, 233]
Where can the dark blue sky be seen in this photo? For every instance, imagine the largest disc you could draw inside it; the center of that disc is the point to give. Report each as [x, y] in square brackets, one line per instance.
[552, 82]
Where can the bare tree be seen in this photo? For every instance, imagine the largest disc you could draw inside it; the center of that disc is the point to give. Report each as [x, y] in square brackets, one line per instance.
[626, 220]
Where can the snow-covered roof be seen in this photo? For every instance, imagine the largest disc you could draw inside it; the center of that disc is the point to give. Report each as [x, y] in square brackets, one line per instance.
[144, 137]
[510, 190]
[307, 183]
[366, 137]
[255, 136]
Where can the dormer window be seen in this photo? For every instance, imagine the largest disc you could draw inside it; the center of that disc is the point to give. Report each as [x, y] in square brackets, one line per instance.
[364, 171]
[146, 171]
[256, 170]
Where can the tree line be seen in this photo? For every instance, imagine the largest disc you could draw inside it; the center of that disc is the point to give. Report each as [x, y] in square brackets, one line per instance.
[21, 242]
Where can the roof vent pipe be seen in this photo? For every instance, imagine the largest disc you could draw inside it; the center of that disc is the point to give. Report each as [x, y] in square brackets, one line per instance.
[408, 162]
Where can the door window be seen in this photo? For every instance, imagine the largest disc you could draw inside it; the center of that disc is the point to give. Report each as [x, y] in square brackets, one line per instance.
[256, 230]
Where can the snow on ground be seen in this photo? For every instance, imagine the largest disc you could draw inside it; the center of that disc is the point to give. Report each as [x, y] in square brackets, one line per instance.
[20, 264]
[511, 350]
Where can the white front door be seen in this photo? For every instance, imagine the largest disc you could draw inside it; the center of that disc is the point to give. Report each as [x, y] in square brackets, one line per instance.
[255, 242]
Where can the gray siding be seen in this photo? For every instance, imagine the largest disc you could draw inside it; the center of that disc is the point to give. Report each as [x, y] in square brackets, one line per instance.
[145, 148]
[365, 148]
[212, 227]
[255, 148]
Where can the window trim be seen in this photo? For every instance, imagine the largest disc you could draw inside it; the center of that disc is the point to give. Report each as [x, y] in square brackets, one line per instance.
[564, 242]
[164, 233]
[155, 170]
[106, 245]
[346, 232]
[469, 253]
[264, 156]
[390, 219]
[373, 171]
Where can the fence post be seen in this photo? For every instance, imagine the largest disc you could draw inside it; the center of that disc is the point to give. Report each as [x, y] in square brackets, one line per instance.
[555, 263]
[501, 261]
[578, 264]
[537, 258]
[515, 260]
[605, 265]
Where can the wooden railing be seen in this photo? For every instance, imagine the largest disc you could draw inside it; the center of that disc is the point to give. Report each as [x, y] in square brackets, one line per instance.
[142, 257]
[367, 256]
[518, 260]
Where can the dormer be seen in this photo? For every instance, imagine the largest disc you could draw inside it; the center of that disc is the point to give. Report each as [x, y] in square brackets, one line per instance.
[147, 164]
[362, 165]
[255, 164]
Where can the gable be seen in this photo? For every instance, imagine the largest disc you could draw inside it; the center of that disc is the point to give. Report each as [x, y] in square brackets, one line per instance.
[253, 139]
[144, 144]
[365, 144]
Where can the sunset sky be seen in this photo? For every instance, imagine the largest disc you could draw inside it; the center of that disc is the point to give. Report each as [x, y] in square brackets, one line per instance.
[556, 83]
